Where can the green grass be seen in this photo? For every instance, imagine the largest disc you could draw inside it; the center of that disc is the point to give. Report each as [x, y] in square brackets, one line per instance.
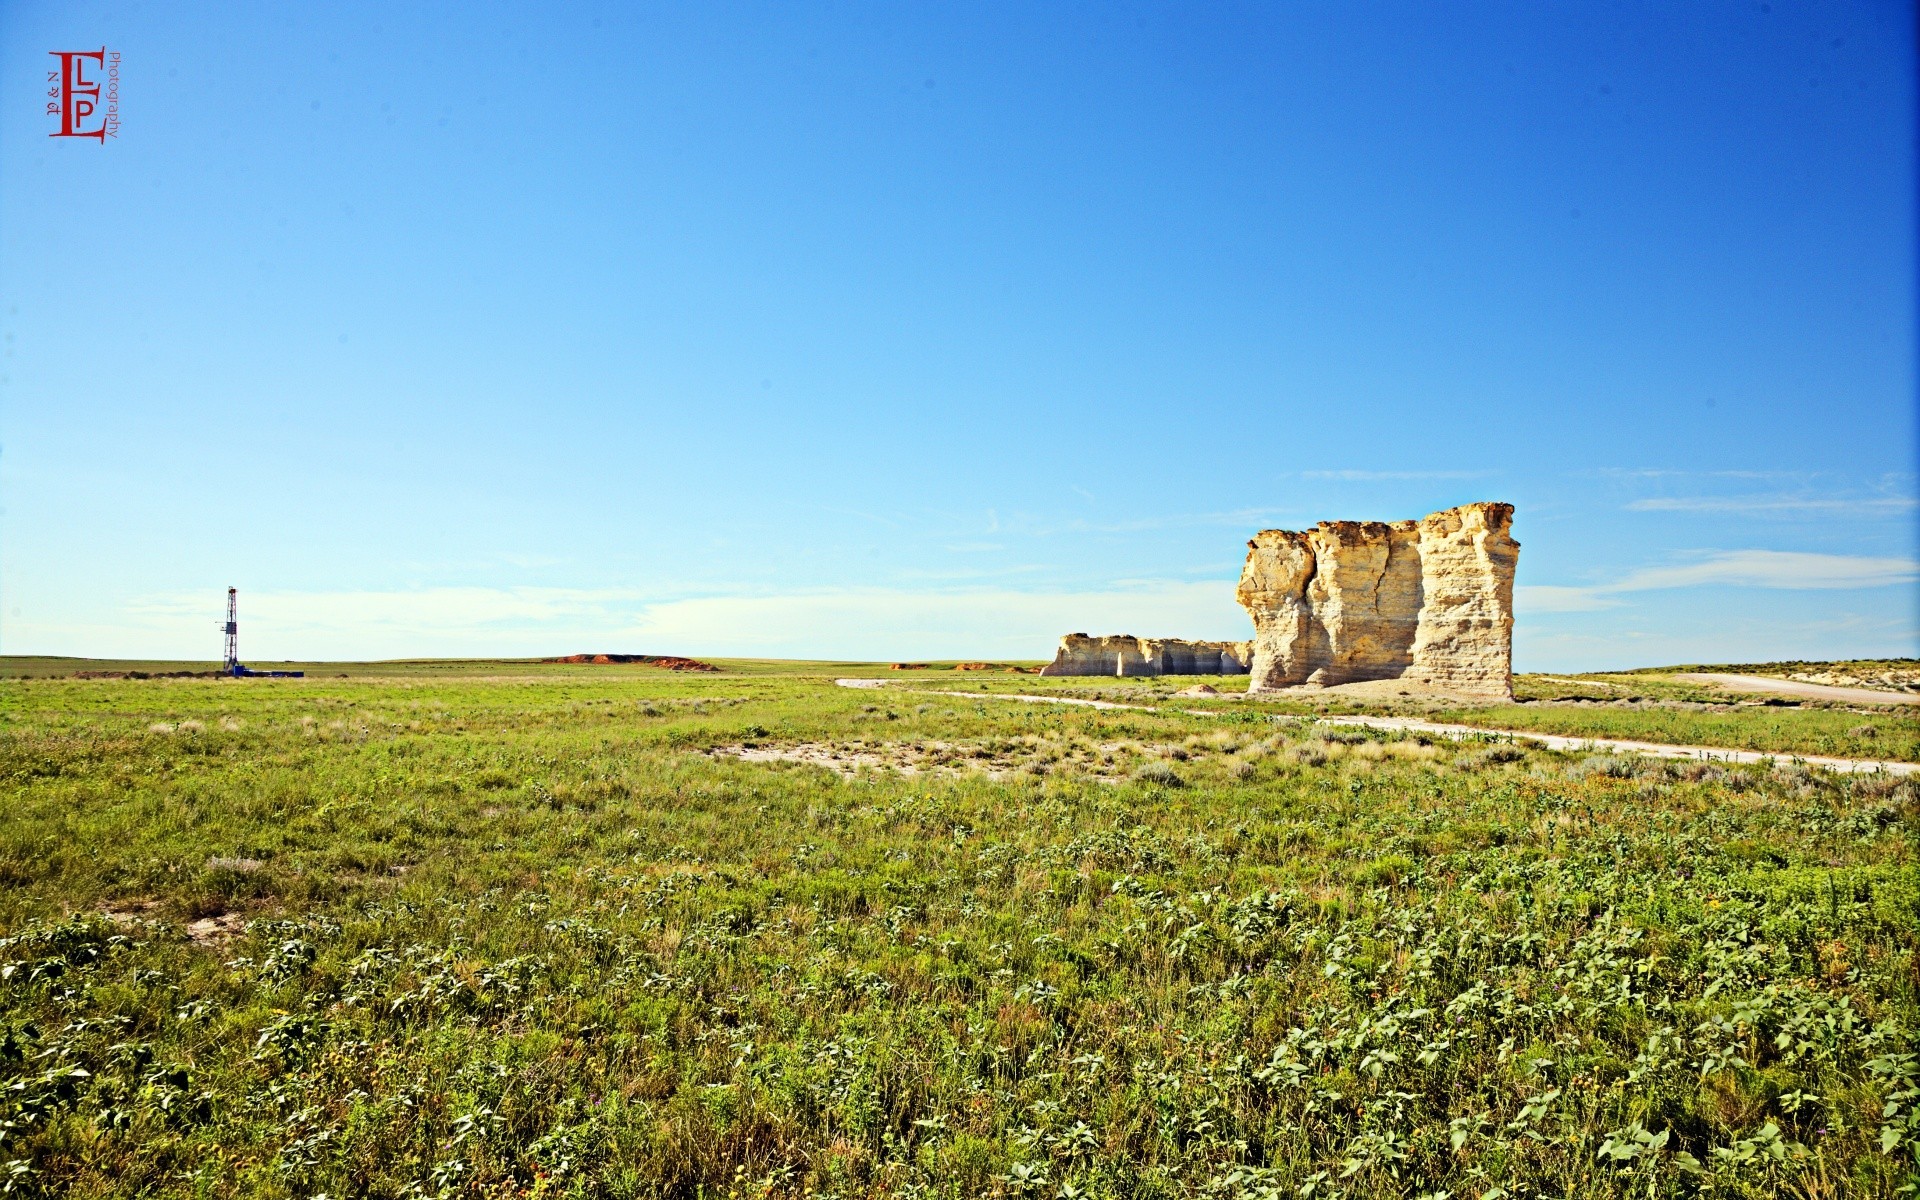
[513, 931]
[25, 666]
[1630, 707]
[1867, 666]
[1831, 733]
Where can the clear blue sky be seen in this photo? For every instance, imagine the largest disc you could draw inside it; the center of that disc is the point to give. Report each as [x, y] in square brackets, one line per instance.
[880, 330]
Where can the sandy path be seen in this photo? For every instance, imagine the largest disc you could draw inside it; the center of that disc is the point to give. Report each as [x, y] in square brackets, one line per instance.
[1553, 741]
[1806, 691]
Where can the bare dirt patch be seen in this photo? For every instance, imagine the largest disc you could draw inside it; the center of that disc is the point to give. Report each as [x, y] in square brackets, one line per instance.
[841, 760]
[915, 758]
[995, 758]
[130, 914]
[151, 914]
[216, 931]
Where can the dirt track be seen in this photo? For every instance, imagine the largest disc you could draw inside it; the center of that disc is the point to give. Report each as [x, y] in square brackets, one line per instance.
[1806, 691]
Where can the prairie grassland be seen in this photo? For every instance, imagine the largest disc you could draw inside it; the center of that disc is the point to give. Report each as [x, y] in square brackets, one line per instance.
[542, 934]
[1902, 674]
[1633, 707]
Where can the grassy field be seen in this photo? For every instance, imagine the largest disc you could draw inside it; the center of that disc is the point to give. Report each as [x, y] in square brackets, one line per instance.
[519, 930]
[21, 666]
[1633, 707]
[1860, 668]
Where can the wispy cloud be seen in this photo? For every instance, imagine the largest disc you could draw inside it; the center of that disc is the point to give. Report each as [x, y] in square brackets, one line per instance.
[1751, 636]
[1727, 568]
[461, 608]
[1242, 518]
[1381, 476]
[861, 623]
[1783, 505]
[885, 623]
[1669, 473]
[968, 575]
[877, 518]
[1544, 598]
[1774, 569]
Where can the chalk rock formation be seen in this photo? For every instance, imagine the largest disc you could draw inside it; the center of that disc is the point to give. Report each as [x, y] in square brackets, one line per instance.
[1126, 655]
[1427, 601]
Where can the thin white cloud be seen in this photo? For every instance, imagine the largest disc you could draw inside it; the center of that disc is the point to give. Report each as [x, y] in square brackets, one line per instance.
[851, 623]
[1529, 599]
[1690, 635]
[1774, 569]
[976, 576]
[1729, 568]
[1667, 473]
[889, 623]
[463, 608]
[1377, 476]
[1778, 504]
[876, 518]
[1243, 518]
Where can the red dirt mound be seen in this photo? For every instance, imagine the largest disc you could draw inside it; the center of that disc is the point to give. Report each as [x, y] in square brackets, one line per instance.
[666, 662]
[908, 667]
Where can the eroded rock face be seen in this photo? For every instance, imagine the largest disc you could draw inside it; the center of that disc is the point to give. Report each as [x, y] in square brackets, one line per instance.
[1427, 601]
[1124, 654]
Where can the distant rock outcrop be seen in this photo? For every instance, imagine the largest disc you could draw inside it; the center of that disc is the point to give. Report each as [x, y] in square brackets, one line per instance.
[1428, 601]
[1126, 655]
[669, 662]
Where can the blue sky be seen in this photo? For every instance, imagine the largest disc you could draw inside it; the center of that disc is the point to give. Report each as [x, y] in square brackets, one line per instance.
[877, 331]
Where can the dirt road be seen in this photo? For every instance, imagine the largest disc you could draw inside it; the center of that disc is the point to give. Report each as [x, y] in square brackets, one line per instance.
[1805, 691]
